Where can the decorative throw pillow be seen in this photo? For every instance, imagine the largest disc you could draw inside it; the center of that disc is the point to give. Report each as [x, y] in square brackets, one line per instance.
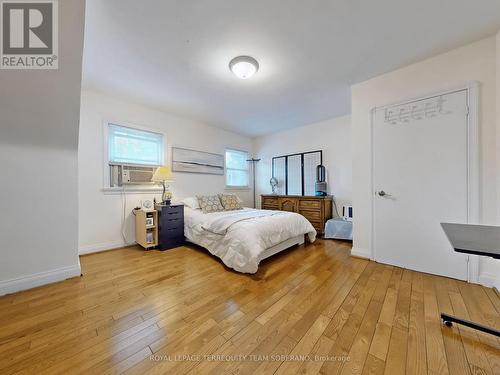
[209, 203]
[191, 202]
[230, 202]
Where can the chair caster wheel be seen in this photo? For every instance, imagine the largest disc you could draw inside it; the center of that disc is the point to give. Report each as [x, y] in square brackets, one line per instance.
[448, 324]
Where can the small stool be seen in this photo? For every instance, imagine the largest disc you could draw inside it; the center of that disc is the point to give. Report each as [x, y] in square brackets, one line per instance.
[338, 229]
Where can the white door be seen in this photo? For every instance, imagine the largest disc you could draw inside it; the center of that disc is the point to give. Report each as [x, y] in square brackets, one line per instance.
[420, 180]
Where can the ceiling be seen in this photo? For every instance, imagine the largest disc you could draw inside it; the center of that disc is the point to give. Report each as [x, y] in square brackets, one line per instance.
[174, 54]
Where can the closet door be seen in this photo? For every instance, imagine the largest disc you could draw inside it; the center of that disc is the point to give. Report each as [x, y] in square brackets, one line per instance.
[420, 175]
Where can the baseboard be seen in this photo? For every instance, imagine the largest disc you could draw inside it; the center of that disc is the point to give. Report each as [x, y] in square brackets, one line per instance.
[496, 286]
[361, 253]
[38, 279]
[95, 248]
[487, 279]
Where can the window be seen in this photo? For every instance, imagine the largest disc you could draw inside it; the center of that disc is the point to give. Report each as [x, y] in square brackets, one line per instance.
[134, 146]
[237, 168]
[296, 173]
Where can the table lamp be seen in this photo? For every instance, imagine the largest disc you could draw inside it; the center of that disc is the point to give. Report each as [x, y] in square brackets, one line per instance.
[164, 174]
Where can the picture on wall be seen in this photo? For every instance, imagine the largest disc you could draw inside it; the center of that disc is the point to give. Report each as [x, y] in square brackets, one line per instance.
[192, 161]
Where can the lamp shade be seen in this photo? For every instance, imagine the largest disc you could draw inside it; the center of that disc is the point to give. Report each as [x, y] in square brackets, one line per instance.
[162, 174]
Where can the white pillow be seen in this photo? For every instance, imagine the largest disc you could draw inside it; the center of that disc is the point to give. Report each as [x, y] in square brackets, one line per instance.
[191, 202]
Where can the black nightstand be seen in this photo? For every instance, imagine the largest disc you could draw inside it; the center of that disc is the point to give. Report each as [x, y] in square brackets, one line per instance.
[171, 226]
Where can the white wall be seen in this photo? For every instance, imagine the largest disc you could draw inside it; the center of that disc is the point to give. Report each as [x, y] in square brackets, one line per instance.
[333, 136]
[38, 150]
[497, 271]
[473, 62]
[101, 213]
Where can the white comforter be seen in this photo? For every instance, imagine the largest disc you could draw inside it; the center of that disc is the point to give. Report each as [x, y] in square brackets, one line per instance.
[238, 238]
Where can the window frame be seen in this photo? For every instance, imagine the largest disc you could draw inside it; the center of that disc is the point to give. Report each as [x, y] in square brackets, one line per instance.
[247, 170]
[105, 156]
[301, 154]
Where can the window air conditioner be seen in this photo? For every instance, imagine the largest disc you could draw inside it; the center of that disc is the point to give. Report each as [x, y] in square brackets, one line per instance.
[121, 174]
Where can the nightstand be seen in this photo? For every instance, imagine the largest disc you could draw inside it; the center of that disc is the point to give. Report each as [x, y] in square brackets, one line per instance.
[171, 226]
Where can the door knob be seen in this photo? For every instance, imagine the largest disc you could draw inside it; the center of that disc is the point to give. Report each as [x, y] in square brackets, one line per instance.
[383, 194]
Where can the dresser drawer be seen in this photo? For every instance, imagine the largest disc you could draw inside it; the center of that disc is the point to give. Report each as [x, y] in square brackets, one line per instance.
[170, 243]
[317, 225]
[311, 215]
[310, 204]
[172, 212]
[172, 222]
[269, 202]
[173, 231]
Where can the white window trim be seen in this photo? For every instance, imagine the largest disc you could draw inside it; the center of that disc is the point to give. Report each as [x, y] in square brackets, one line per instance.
[229, 187]
[107, 189]
[136, 189]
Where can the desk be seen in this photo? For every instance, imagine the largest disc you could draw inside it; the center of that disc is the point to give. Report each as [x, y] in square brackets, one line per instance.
[483, 240]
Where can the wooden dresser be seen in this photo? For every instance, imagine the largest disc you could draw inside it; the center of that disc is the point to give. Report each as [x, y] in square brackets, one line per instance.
[315, 209]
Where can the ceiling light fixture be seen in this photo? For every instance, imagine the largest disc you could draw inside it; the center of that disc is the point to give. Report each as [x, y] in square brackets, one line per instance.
[244, 66]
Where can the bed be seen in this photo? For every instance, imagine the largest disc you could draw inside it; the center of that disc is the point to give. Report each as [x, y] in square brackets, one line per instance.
[242, 238]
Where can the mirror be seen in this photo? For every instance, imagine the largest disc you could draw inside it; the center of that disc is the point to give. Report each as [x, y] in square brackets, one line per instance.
[296, 173]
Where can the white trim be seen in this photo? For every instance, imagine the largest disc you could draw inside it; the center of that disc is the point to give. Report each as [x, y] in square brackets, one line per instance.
[132, 190]
[38, 279]
[487, 279]
[105, 161]
[473, 167]
[371, 247]
[496, 284]
[238, 188]
[361, 253]
[95, 248]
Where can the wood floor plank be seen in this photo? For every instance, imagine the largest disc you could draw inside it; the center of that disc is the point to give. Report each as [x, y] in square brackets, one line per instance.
[493, 296]
[474, 348]
[373, 366]
[380, 343]
[345, 339]
[402, 313]
[436, 353]
[305, 345]
[365, 335]
[416, 360]
[311, 309]
[397, 353]
[482, 311]
[455, 352]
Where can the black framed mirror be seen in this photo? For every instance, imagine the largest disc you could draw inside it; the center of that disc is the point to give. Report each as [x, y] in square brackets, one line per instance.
[296, 173]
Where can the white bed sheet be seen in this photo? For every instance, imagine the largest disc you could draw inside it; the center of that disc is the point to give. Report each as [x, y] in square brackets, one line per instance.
[244, 242]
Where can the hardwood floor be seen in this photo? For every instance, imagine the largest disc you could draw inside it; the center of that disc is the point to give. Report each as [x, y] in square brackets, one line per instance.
[313, 309]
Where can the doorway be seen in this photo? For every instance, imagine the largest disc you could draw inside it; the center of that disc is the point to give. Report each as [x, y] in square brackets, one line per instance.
[424, 156]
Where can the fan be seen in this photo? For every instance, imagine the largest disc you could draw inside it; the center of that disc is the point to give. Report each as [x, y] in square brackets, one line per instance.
[274, 184]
